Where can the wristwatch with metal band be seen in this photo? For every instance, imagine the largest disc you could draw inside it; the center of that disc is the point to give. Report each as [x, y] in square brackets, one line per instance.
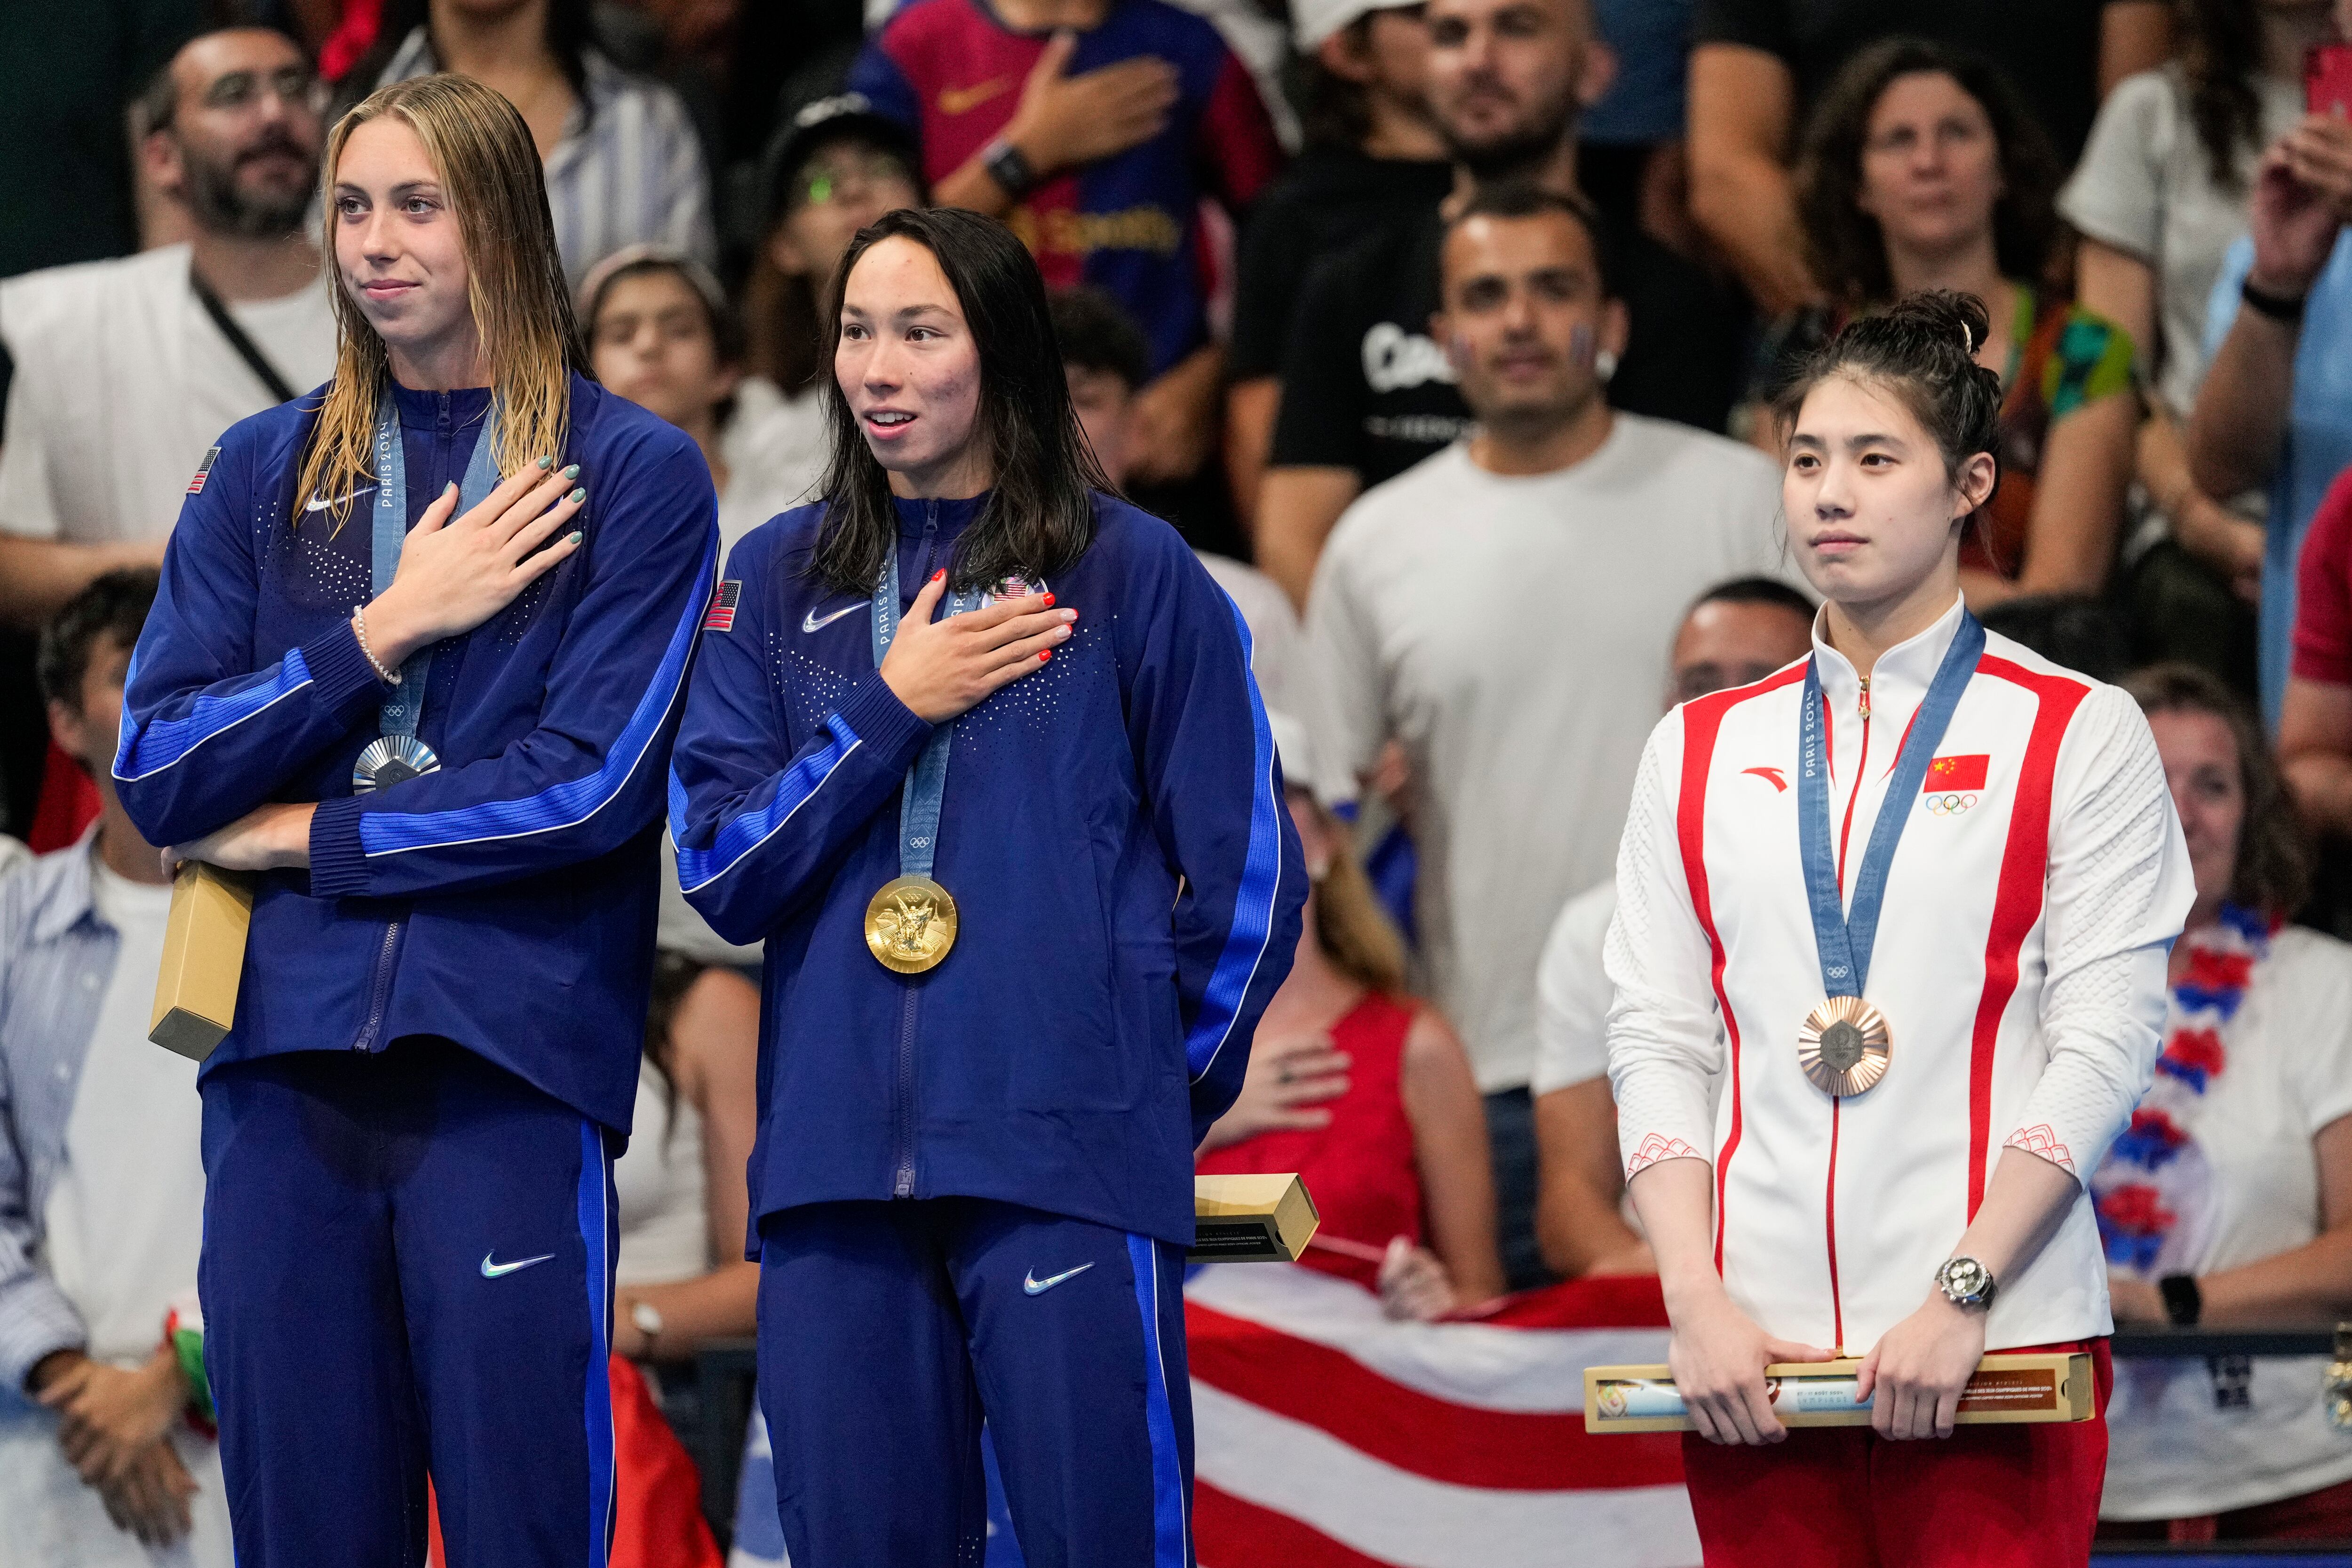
[1966, 1282]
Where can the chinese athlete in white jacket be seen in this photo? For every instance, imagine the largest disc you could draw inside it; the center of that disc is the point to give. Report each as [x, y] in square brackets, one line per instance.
[1909, 1189]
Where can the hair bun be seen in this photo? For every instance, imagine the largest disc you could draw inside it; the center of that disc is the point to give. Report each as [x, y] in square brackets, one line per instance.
[1943, 316]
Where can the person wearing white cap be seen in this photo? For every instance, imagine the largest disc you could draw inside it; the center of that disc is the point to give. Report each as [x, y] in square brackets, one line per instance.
[1372, 155]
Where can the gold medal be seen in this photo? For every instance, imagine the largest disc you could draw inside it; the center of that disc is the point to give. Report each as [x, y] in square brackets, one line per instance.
[910, 924]
[1843, 1045]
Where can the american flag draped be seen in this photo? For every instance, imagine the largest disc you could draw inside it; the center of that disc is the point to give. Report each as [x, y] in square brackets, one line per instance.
[1328, 1437]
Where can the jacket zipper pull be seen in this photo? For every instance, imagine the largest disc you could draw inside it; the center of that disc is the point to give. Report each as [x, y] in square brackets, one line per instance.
[1862, 704]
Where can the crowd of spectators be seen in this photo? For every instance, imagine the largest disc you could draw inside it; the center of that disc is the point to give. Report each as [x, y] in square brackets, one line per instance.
[1447, 331]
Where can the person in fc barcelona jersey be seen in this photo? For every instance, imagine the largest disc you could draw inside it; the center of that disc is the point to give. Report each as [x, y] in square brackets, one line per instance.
[1093, 128]
[1914, 896]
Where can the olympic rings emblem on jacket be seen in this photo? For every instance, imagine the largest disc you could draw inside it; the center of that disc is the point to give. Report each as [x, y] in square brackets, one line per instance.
[1949, 805]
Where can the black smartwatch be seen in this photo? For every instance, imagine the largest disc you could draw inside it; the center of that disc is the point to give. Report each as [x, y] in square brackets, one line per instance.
[2184, 1304]
[2280, 308]
[1007, 166]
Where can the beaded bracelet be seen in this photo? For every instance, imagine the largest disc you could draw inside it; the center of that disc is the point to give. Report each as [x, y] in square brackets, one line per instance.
[359, 630]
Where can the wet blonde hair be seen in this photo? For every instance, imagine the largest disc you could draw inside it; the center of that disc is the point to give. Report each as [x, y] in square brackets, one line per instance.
[490, 169]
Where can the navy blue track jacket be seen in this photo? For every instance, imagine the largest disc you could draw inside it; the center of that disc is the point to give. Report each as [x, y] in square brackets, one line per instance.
[1127, 878]
[505, 902]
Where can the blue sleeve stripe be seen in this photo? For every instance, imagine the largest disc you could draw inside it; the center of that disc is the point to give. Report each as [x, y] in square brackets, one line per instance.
[1261, 884]
[147, 749]
[573, 801]
[698, 869]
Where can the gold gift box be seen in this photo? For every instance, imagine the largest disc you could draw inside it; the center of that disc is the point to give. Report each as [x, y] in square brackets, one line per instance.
[1250, 1218]
[203, 958]
[2005, 1389]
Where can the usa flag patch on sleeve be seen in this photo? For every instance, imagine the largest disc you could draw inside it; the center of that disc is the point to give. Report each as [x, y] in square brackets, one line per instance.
[720, 617]
[196, 484]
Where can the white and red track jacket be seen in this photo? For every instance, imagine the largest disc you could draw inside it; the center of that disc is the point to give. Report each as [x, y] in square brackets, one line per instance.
[2020, 961]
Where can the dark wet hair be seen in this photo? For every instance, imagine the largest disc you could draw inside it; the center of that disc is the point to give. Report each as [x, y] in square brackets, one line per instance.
[1039, 516]
[114, 605]
[2275, 851]
[1849, 251]
[1518, 198]
[1922, 349]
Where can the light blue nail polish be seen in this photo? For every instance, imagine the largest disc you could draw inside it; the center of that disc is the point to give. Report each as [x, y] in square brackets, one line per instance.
[577, 495]
[573, 472]
[575, 537]
[546, 462]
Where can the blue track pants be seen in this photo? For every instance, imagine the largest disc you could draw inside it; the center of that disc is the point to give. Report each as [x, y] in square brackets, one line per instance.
[889, 1330]
[407, 1268]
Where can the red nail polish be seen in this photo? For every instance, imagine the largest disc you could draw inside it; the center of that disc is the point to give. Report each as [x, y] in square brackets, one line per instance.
[937, 575]
[1049, 602]
[1044, 656]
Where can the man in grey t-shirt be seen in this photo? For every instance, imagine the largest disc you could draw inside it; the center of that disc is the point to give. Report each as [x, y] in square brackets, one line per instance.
[1501, 611]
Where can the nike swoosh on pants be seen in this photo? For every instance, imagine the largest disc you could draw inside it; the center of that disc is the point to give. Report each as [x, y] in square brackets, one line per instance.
[499, 1271]
[1035, 1286]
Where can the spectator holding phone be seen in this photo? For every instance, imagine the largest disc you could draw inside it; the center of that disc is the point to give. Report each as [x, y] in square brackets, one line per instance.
[2159, 195]
[2275, 410]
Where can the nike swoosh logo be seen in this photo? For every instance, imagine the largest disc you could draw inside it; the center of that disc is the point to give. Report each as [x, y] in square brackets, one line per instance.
[813, 622]
[498, 1271]
[1037, 1287]
[954, 100]
[315, 505]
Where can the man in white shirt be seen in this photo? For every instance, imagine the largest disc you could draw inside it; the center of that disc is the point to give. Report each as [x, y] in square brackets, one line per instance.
[1738, 632]
[1502, 609]
[128, 371]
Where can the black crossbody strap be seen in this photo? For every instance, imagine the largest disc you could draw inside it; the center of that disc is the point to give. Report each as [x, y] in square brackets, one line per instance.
[246, 348]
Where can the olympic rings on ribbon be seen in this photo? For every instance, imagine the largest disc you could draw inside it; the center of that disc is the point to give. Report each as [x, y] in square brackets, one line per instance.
[1949, 805]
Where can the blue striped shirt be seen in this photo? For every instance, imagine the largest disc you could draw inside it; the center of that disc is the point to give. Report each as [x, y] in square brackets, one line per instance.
[56, 954]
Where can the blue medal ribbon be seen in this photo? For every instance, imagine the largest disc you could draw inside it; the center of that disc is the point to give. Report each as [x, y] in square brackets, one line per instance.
[927, 781]
[400, 755]
[1842, 936]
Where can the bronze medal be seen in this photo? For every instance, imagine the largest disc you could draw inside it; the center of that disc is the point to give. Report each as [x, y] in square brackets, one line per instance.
[1843, 1045]
[910, 924]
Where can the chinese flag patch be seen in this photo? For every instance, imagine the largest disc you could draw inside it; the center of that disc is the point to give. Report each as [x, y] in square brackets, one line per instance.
[1957, 773]
[196, 484]
[720, 616]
